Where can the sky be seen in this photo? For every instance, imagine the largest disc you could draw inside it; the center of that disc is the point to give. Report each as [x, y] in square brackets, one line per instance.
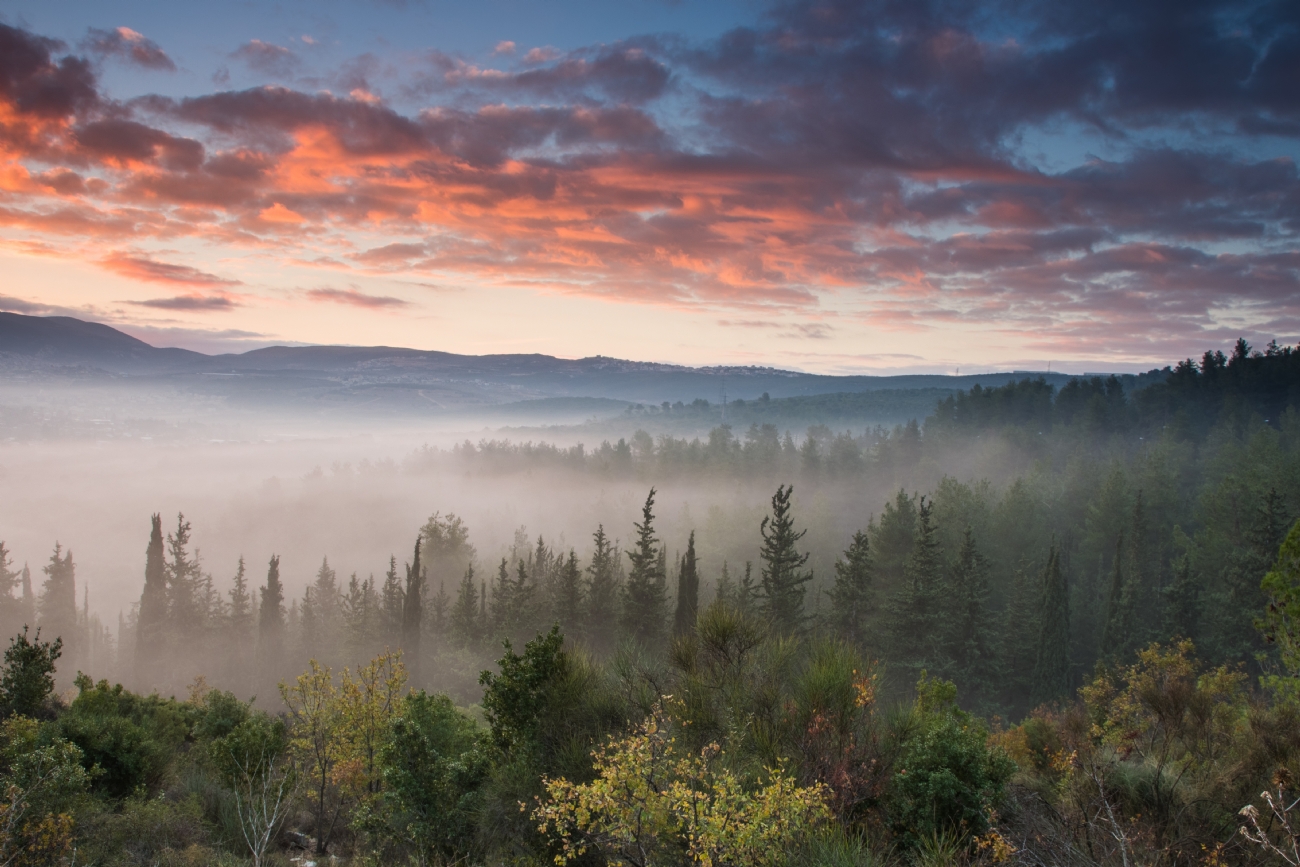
[837, 187]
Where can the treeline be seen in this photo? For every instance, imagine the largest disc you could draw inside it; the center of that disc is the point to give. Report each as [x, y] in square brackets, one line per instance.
[750, 742]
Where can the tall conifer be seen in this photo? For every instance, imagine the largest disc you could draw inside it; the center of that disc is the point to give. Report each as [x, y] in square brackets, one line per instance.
[688, 591]
[270, 616]
[464, 620]
[915, 610]
[783, 575]
[566, 596]
[412, 611]
[151, 622]
[602, 609]
[852, 592]
[646, 601]
[1052, 660]
[966, 640]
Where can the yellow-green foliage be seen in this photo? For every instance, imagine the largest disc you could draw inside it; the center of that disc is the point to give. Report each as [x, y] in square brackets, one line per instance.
[651, 797]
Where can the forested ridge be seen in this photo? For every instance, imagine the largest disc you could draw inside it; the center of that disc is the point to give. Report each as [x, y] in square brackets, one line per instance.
[1064, 631]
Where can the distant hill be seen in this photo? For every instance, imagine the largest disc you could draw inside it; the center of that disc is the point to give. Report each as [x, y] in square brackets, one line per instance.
[382, 380]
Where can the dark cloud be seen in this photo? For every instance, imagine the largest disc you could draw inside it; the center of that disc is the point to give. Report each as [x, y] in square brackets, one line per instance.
[34, 83]
[126, 44]
[124, 140]
[189, 303]
[356, 298]
[151, 270]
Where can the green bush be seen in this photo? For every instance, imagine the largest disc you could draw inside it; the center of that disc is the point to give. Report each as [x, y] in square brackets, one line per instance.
[131, 739]
[946, 777]
[434, 765]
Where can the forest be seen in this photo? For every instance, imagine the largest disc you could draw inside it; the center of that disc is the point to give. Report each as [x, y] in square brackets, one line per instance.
[1038, 626]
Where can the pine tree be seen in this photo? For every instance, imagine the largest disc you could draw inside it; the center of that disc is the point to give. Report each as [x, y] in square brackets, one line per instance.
[688, 591]
[966, 641]
[58, 605]
[1020, 630]
[241, 605]
[602, 614]
[566, 597]
[11, 605]
[1182, 604]
[783, 578]
[412, 612]
[151, 623]
[748, 593]
[393, 602]
[501, 608]
[645, 594]
[184, 588]
[724, 592]
[852, 593]
[1117, 633]
[1052, 660]
[915, 610]
[464, 621]
[892, 539]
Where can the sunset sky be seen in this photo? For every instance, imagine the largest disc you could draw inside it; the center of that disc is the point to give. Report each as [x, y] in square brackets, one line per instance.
[828, 186]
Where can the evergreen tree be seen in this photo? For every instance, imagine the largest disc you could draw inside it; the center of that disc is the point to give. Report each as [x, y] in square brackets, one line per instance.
[241, 604]
[412, 612]
[393, 601]
[438, 622]
[966, 640]
[501, 609]
[724, 592]
[1117, 631]
[359, 611]
[1182, 604]
[1019, 645]
[29, 597]
[11, 605]
[688, 591]
[464, 621]
[1052, 660]
[184, 609]
[748, 594]
[58, 605]
[270, 616]
[645, 594]
[783, 578]
[602, 614]
[851, 595]
[151, 622]
[566, 597]
[915, 610]
[892, 539]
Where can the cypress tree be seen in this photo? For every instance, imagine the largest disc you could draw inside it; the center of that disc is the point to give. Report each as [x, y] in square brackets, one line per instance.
[851, 595]
[151, 622]
[1052, 660]
[724, 591]
[783, 578]
[747, 593]
[184, 606]
[270, 615]
[602, 614]
[412, 611]
[645, 595]
[1019, 639]
[465, 612]
[29, 597]
[688, 591]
